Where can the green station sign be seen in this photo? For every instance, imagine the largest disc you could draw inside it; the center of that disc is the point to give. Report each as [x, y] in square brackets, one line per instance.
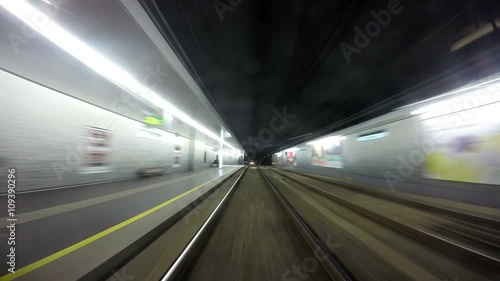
[153, 120]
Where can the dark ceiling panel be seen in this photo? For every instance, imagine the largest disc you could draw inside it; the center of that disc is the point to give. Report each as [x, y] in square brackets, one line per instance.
[256, 58]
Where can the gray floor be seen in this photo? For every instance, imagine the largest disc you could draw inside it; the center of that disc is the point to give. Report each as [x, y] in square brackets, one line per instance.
[54, 220]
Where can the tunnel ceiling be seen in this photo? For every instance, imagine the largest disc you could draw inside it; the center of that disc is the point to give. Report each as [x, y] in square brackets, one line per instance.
[256, 59]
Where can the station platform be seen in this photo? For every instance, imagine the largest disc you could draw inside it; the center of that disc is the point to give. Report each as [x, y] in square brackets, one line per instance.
[270, 224]
[68, 232]
[491, 211]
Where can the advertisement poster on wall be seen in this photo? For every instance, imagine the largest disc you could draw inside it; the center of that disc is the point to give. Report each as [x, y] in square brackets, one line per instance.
[96, 151]
[177, 156]
[464, 146]
[291, 158]
[327, 154]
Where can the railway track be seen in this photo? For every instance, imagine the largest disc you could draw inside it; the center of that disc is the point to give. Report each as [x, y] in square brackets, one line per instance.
[273, 225]
[269, 244]
[490, 221]
[471, 241]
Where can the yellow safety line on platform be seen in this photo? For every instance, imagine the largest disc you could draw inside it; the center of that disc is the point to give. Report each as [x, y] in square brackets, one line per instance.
[27, 269]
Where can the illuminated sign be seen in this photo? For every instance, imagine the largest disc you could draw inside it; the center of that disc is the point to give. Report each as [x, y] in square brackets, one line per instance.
[153, 120]
[373, 136]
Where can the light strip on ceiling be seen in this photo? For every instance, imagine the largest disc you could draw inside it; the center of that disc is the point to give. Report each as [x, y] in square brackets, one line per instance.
[477, 34]
[461, 90]
[40, 22]
[481, 96]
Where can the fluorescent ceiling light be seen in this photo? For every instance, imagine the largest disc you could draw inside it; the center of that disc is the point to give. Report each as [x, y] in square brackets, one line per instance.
[475, 35]
[480, 97]
[465, 89]
[40, 22]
